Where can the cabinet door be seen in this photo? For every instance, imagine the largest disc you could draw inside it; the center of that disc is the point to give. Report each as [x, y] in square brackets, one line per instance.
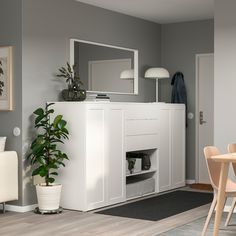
[95, 158]
[72, 177]
[178, 147]
[165, 151]
[115, 156]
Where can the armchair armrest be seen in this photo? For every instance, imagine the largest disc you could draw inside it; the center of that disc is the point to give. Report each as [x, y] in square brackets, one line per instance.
[8, 176]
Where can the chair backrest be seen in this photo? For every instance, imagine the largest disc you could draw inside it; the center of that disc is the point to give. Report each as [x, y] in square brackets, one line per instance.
[231, 149]
[212, 166]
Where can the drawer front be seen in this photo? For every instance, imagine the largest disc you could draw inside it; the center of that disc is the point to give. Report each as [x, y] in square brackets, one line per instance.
[142, 112]
[141, 127]
[141, 142]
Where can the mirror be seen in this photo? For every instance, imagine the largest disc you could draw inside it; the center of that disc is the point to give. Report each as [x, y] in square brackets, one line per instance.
[105, 68]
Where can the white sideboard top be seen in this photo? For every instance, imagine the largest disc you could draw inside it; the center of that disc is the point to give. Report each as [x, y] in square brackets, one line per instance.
[122, 103]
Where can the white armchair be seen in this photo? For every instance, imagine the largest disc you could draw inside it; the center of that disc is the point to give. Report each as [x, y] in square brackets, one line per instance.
[8, 177]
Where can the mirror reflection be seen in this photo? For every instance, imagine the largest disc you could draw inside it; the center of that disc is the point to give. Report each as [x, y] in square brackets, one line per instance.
[105, 68]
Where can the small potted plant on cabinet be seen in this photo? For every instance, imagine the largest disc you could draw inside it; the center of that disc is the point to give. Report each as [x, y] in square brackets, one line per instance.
[46, 157]
[74, 92]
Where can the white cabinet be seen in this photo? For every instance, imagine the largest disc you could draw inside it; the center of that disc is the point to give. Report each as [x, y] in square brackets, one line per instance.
[101, 133]
[172, 146]
[95, 174]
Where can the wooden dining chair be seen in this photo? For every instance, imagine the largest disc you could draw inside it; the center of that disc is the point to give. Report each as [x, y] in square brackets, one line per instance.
[213, 168]
[231, 149]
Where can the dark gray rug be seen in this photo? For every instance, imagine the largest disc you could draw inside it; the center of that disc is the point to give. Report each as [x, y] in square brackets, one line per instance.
[160, 207]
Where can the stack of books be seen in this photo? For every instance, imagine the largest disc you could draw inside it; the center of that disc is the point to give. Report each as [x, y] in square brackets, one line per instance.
[102, 97]
[98, 97]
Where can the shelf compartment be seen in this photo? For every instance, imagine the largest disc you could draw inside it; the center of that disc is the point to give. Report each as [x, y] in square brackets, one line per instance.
[140, 187]
[142, 172]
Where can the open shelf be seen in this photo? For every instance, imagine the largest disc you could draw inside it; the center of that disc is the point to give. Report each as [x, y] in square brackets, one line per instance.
[142, 182]
[142, 172]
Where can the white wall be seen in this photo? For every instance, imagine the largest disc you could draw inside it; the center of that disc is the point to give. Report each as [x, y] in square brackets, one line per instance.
[225, 73]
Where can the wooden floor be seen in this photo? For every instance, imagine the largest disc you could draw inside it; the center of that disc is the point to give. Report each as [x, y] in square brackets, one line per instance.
[86, 224]
[69, 223]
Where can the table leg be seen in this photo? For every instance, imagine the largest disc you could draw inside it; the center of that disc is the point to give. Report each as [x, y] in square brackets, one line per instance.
[221, 196]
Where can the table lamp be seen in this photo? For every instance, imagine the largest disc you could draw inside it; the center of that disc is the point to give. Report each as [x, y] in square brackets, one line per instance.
[156, 73]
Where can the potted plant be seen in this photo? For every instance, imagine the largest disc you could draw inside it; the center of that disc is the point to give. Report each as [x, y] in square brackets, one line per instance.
[1, 82]
[74, 91]
[46, 157]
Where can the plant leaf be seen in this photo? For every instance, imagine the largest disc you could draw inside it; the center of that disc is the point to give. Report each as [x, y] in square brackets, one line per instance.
[36, 172]
[54, 173]
[57, 120]
[39, 118]
[39, 112]
[61, 124]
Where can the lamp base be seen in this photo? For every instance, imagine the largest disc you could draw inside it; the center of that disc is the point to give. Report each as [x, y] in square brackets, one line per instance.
[156, 90]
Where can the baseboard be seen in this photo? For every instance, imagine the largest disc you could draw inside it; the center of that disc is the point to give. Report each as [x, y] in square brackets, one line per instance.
[190, 181]
[20, 209]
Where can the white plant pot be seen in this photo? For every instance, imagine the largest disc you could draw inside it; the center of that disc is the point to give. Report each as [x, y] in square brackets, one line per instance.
[48, 196]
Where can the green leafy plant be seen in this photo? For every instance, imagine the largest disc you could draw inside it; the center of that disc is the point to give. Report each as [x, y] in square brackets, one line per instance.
[45, 154]
[1, 82]
[71, 76]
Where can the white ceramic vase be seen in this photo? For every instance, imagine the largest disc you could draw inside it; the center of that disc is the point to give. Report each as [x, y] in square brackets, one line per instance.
[48, 196]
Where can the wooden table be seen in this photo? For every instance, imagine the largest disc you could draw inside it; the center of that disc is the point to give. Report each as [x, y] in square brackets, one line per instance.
[225, 160]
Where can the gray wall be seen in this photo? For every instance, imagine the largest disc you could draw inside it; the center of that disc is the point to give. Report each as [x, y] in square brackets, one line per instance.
[11, 35]
[225, 76]
[47, 28]
[180, 42]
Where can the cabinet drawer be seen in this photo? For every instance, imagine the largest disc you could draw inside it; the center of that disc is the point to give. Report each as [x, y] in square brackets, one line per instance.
[140, 127]
[142, 112]
[141, 142]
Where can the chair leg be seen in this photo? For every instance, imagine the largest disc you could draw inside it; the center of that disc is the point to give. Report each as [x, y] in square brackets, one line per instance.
[212, 208]
[230, 212]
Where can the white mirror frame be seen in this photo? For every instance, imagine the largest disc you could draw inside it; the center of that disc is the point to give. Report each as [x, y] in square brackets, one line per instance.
[72, 62]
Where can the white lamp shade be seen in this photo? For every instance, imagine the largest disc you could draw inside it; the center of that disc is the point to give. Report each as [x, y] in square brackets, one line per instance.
[127, 74]
[157, 73]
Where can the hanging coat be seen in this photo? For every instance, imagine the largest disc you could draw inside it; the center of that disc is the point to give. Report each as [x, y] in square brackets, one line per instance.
[179, 94]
